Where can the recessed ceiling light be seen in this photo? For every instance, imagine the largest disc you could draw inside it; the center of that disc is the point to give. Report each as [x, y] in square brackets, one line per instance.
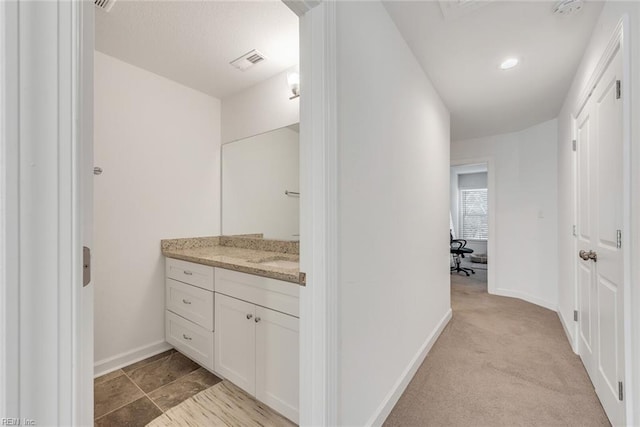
[509, 63]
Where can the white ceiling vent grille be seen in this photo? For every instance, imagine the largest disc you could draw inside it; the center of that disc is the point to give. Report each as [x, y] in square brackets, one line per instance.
[248, 60]
[105, 5]
[568, 7]
[452, 9]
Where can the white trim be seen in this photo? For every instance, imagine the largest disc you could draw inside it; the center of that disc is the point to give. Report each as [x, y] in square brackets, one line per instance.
[44, 220]
[383, 411]
[319, 255]
[9, 214]
[566, 331]
[526, 297]
[126, 358]
[573, 340]
[625, 50]
[491, 188]
[300, 7]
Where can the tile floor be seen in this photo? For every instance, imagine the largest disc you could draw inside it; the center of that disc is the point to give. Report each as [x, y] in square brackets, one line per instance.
[138, 393]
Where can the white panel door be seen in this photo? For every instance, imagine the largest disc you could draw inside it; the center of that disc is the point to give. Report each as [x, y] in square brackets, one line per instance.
[277, 361]
[609, 277]
[586, 286]
[234, 346]
[600, 267]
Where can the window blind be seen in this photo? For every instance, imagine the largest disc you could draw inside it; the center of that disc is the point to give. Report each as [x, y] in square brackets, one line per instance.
[473, 213]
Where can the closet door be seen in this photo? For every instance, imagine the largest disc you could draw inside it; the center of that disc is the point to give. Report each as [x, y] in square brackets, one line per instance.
[600, 272]
[585, 271]
[609, 271]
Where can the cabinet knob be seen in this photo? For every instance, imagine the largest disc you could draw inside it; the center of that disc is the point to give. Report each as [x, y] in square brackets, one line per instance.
[257, 319]
[186, 301]
[186, 337]
[188, 273]
[249, 316]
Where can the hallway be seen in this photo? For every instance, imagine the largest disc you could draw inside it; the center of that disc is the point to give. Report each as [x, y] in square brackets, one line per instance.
[500, 361]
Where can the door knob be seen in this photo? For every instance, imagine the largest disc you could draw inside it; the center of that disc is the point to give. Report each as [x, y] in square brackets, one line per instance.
[593, 255]
[584, 255]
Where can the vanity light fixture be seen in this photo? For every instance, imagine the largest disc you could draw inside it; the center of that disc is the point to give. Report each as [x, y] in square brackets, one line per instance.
[293, 80]
[509, 63]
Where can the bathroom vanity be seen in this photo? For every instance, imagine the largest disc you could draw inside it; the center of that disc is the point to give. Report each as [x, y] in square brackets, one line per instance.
[232, 305]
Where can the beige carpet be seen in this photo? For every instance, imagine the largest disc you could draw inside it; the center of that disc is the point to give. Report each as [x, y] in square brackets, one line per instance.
[221, 405]
[499, 362]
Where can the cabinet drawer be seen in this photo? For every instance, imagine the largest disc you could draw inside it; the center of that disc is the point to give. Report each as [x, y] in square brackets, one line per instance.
[190, 302]
[275, 294]
[191, 339]
[188, 272]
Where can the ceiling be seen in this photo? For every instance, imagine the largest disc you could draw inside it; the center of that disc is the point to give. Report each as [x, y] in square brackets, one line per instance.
[461, 53]
[192, 42]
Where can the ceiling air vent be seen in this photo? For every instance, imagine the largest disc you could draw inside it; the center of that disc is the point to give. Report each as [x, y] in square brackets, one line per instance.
[568, 7]
[105, 5]
[248, 60]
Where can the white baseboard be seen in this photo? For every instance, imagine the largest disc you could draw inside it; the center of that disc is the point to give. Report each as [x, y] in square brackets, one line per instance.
[383, 411]
[121, 360]
[568, 327]
[526, 297]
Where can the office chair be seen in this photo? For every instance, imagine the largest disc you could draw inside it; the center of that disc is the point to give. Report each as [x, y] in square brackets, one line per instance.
[458, 250]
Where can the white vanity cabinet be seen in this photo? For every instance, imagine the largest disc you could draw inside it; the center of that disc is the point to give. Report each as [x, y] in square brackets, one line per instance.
[189, 310]
[257, 338]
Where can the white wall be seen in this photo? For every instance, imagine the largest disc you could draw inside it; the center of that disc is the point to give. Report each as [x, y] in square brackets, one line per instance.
[256, 171]
[158, 143]
[524, 164]
[609, 18]
[260, 108]
[393, 137]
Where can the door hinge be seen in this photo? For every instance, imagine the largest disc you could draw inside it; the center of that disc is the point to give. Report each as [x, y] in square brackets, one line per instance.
[574, 145]
[575, 315]
[302, 278]
[618, 239]
[620, 391]
[575, 231]
[618, 89]
[86, 266]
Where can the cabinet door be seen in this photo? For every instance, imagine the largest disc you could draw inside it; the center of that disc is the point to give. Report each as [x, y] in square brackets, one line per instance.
[277, 361]
[235, 341]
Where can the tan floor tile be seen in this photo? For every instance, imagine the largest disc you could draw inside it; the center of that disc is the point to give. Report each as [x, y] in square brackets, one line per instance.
[148, 360]
[107, 377]
[137, 413]
[162, 372]
[183, 388]
[112, 394]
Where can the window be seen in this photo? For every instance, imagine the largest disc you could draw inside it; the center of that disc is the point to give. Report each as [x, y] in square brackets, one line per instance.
[473, 214]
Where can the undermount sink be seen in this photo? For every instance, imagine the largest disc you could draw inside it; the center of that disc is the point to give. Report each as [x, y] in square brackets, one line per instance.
[279, 262]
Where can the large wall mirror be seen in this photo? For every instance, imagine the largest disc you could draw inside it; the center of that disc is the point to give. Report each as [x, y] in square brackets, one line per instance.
[260, 185]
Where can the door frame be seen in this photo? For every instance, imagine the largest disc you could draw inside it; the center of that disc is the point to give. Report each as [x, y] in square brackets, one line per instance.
[617, 42]
[9, 223]
[70, 27]
[319, 204]
[42, 351]
[491, 241]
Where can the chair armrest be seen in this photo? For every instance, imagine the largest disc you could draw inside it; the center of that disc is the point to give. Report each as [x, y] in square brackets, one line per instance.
[460, 242]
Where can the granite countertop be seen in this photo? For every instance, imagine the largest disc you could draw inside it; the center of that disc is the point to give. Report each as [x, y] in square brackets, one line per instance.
[238, 253]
